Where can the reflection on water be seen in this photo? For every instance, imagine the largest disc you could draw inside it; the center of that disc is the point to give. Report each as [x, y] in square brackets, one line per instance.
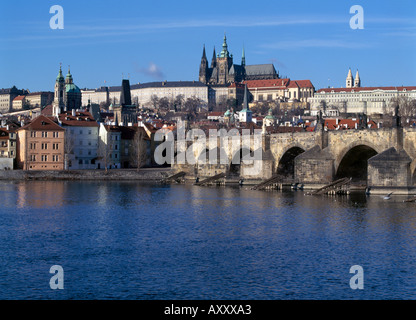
[127, 240]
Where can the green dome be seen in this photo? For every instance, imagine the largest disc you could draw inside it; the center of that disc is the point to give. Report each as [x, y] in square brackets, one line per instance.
[72, 88]
[270, 115]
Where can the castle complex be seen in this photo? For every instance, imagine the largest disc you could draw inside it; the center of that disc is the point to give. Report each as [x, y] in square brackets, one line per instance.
[224, 71]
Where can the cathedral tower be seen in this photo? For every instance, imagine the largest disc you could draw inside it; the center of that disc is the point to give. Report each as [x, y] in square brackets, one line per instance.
[203, 68]
[224, 62]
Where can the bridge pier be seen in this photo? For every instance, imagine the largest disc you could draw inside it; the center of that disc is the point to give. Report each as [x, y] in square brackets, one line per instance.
[314, 168]
[390, 171]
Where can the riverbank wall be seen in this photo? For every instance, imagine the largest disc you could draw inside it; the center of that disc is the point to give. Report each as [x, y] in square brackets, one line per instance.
[144, 174]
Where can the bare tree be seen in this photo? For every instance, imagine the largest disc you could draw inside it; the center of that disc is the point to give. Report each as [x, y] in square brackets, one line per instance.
[407, 106]
[163, 104]
[154, 99]
[104, 152]
[179, 101]
[139, 149]
[192, 103]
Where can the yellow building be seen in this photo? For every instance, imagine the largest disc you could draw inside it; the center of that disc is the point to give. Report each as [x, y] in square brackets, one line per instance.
[41, 145]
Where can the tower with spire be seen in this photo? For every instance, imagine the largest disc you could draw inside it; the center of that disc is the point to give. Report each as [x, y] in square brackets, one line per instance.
[245, 114]
[224, 62]
[203, 69]
[214, 59]
[357, 81]
[349, 80]
[58, 104]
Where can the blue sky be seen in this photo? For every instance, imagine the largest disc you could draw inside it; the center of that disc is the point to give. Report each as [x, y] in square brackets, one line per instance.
[146, 41]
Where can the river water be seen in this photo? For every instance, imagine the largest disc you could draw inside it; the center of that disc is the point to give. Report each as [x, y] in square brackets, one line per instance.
[127, 240]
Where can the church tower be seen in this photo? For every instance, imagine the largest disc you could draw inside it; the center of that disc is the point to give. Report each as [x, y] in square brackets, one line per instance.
[350, 80]
[59, 98]
[245, 114]
[224, 62]
[203, 68]
[357, 81]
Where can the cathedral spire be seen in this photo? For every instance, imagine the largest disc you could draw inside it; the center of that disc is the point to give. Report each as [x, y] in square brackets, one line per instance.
[204, 56]
[203, 68]
[214, 59]
[243, 58]
[224, 52]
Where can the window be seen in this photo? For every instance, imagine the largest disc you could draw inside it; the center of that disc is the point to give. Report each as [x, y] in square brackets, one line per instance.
[89, 131]
[80, 161]
[44, 134]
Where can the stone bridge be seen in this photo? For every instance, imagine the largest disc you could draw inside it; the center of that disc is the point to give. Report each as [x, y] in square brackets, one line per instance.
[382, 159]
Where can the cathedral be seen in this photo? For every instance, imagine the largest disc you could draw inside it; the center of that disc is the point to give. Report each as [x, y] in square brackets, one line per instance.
[67, 95]
[223, 71]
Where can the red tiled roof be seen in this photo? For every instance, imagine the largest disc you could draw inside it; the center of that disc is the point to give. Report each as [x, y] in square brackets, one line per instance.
[215, 114]
[19, 98]
[81, 119]
[42, 123]
[304, 83]
[267, 83]
[343, 124]
[47, 111]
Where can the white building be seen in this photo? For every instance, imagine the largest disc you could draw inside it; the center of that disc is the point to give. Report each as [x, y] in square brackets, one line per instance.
[81, 136]
[109, 144]
[96, 96]
[142, 93]
[368, 100]
[356, 99]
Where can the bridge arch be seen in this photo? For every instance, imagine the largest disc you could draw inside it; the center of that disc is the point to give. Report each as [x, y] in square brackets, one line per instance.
[286, 163]
[352, 162]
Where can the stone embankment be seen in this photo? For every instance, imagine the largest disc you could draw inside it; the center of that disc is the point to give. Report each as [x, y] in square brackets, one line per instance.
[144, 174]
